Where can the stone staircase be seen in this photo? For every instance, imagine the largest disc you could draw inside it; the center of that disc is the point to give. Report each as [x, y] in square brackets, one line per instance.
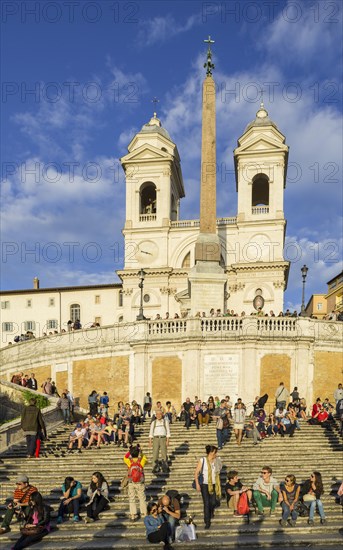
[312, 448]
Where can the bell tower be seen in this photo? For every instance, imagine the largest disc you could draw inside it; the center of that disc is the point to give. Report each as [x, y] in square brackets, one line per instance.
[154, 187]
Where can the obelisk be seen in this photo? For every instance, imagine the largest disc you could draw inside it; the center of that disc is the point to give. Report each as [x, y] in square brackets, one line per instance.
[207, 245]
[207, 279]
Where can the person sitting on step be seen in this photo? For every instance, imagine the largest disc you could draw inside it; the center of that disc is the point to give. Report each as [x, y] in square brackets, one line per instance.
[233, 489]
[37, 522]
[290, 491]
[157, 529]
[71, 500]
[96, 435]
[311, 492]
[272, 426]
[98, 497]
[287, 425]
[266, 491]
[191, 418]
[77, 438]
[169, 507]
[20, 503]
[203, 414]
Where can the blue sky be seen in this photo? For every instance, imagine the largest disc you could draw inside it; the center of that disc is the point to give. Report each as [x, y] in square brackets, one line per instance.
[77, 83]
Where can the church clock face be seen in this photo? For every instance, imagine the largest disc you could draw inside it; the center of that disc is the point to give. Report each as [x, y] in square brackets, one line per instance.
[147, 252]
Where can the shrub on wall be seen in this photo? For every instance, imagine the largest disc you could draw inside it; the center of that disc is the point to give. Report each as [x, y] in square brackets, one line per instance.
[41, 401]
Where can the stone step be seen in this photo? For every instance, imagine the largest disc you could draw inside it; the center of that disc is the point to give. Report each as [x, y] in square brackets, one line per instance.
[114, 530]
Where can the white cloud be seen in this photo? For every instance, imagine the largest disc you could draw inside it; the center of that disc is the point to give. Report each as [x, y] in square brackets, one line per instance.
[304, 32]
[163, 28]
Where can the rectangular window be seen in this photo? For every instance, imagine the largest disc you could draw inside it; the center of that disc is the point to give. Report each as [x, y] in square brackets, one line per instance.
[7, 327]
[29, 325]
[5, 305]
[97, 299]
[120, 298]
[28, 303]
[51, 302]
[52, 324]
[319, 306]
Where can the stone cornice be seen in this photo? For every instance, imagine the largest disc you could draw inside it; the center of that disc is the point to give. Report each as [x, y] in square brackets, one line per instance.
[133, 273]
[236, 268]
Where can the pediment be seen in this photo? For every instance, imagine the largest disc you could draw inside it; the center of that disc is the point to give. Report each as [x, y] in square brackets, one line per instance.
[146, 152]
[261, 143]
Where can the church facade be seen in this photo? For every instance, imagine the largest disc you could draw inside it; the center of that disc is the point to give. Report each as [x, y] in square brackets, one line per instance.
[163, 245]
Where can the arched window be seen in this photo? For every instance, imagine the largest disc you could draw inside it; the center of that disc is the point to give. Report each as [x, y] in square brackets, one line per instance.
[148, 198]
[120, 299]
[260, 190]
[75, 312]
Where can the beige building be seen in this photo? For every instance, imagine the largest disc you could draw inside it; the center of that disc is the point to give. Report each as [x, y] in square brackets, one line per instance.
[46, 310]
[316, 306]
[334, 296]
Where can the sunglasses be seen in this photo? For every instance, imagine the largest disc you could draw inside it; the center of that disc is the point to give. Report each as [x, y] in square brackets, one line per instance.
[264, 472]
[286, 479]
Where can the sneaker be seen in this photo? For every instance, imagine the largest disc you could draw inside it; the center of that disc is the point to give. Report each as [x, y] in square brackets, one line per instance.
[259, 513]
[283, 523]
[272, 513]
[236, 514]
[79, 451]
[310, 522]
[59, 520]
[4, 530]
[292, 522]
[323, 521]
[76, 519]
[88, 519]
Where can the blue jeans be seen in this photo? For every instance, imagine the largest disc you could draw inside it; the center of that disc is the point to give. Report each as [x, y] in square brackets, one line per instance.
[313, 505]
[222, 436]
[31, 444]
[66, 416]
[286, 512]
[171, 526]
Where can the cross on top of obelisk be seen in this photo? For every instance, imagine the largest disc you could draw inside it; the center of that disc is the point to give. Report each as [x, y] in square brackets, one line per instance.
[155, 101]
[262, 94]
[209, 66]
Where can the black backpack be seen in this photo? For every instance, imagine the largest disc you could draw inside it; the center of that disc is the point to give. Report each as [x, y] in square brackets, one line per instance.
[173, 493]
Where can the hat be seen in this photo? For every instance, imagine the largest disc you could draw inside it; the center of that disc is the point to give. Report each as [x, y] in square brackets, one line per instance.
[22, 479]
[79, 425]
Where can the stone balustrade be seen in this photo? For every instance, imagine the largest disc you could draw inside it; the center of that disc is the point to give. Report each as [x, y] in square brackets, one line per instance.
[196, 223]
[127, 334]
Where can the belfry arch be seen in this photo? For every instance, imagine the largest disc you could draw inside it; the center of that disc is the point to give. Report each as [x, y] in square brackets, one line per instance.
[260, 190]
[148, 198]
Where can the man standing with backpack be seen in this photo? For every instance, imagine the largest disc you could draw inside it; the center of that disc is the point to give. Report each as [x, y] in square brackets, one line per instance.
[135, 461]
[159, 440]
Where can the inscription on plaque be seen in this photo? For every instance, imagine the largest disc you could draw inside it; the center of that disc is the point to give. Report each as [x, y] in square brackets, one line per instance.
[221, 375]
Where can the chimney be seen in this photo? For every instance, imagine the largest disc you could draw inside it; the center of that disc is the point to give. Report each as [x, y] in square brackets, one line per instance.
[36, 283]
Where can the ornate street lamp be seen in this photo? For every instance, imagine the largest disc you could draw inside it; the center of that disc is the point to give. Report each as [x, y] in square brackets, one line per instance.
[140, 316]
[304, 271]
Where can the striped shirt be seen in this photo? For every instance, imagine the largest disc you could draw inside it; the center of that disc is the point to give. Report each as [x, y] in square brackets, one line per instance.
[23, 495]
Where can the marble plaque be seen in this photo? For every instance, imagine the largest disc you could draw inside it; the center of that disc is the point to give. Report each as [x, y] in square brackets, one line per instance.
[221, 376]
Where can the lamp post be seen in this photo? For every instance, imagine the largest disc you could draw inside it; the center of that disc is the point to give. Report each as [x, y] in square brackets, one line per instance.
[140, 316]
[304, 271]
